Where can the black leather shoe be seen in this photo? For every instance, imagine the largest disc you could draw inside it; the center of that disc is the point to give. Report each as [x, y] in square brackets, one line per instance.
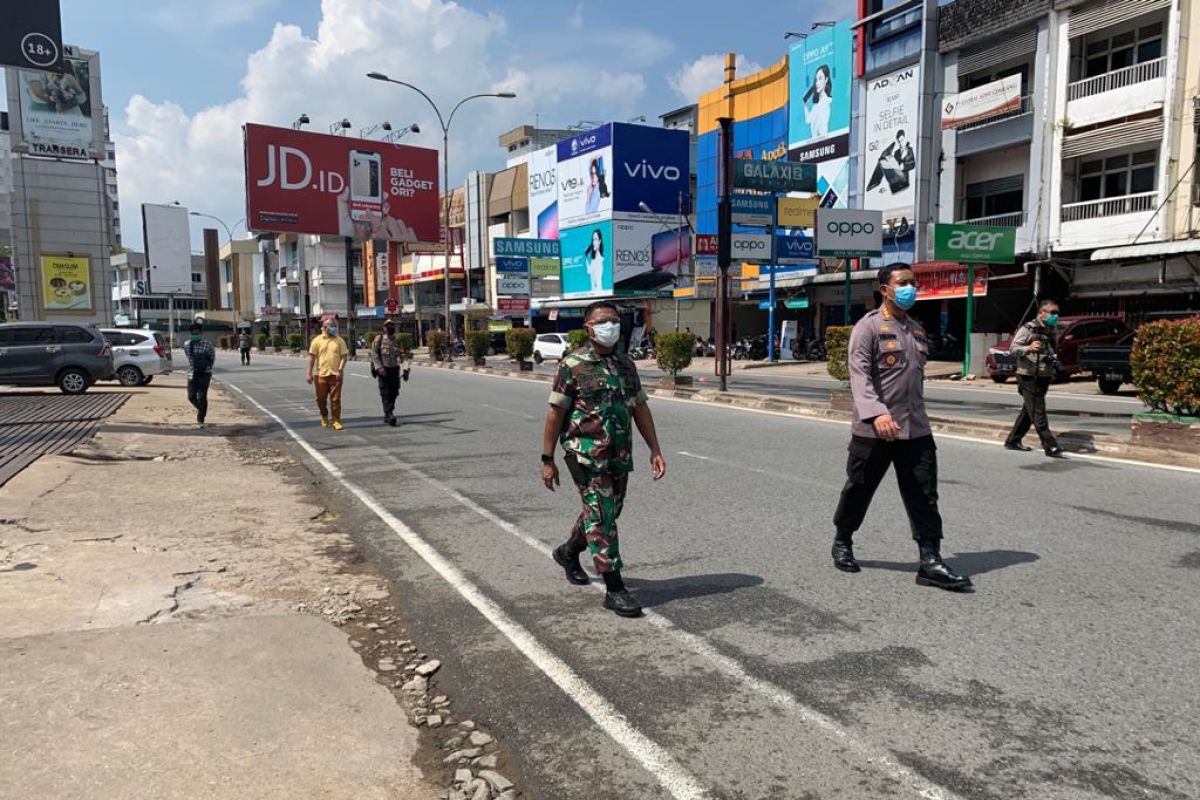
[622, 603]
[390, 420]
[1054, 452]
[934, 572]
[570, 565]
[1024, 448]
[843, 558]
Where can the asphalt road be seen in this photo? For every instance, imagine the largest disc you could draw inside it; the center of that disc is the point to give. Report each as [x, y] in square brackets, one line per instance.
[760, 671]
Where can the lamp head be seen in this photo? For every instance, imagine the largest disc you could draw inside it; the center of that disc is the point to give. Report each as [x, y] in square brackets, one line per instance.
[377, 76]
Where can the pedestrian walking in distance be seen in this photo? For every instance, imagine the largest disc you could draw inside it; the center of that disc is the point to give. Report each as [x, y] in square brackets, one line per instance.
[1037, 364]
[887, 355]
[201, 356]
[327, 355]
[596, 401]
[389, 364]
[244, 347]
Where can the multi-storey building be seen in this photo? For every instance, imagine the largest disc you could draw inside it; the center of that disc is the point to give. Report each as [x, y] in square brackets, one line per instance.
[135, 303]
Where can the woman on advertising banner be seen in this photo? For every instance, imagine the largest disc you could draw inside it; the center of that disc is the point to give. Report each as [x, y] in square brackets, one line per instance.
[597, 186]
[595, 261]
[821, 95]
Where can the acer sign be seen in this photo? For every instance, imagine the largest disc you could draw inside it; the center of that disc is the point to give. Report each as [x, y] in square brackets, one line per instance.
[974, 244]
[611, 171]
[299, 182]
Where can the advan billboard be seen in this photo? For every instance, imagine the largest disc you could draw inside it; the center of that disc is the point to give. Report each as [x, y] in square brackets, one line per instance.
[889, 179]
[299, 182]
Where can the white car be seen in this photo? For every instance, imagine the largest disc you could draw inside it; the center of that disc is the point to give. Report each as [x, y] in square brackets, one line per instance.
[138, 355]
[550, 346]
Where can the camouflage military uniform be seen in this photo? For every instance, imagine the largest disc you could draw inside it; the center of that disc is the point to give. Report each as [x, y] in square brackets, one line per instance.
[599, 393]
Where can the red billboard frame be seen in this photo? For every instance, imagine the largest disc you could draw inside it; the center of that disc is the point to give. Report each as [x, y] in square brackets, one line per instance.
[301, 182]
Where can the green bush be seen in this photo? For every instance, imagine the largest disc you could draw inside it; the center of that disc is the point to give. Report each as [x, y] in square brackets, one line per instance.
[260, 341]
[295, 341]
[519, 342]
[277, 341]
[675, 351]
[437, 345]
[577, 338]
[405, 340]
[837, 347]
[1166, 366]
[372, 336]
[478, 343]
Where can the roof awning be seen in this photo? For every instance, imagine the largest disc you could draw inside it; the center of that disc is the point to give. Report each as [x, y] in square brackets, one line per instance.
[1151, 250]
[500, 199]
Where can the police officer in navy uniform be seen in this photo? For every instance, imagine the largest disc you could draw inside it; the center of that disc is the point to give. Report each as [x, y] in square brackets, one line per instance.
[887, 355]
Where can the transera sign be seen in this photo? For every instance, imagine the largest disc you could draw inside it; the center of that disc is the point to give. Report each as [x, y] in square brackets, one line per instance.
[774, 176]
[530, 248]
[974, 244]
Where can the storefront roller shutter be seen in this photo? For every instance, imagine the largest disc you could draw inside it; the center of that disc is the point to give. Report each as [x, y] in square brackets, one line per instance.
[1098, 16]
[1142, 131]
[1011, 47]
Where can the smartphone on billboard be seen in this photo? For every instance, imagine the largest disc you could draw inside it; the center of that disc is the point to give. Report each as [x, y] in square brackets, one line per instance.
[547, 222]
[669, 248]
[366, 183]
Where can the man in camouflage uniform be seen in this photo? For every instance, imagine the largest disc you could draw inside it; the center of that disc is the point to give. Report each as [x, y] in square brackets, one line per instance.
[596, 401]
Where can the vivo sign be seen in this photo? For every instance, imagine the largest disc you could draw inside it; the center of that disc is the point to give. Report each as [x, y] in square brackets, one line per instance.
[793, 248]
[647, 171]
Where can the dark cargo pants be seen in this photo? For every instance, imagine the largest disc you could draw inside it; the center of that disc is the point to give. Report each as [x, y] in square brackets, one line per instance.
[1033, 411]
[915, 461]
[388, 379]
[603, 496]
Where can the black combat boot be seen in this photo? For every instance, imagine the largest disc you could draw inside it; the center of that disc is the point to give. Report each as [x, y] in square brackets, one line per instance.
[934, 572]
[567, 557]
[617, 598]
[843, 554]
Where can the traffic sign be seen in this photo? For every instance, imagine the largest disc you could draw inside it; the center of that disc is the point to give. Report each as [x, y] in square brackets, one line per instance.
[512, 265]
[530, 248]
[774, 176]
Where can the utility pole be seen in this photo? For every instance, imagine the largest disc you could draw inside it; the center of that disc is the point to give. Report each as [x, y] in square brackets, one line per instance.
[350, 293]
[724, 247]
[678, 258]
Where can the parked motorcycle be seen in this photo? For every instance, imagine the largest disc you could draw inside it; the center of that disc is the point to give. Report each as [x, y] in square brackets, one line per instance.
[816, 350]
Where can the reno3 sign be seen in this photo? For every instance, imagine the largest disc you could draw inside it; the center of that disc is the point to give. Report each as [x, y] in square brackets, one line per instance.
[299, 182]
[610, 171]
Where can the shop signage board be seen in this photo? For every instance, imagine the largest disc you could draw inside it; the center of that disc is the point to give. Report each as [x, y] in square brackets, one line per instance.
[543, 267]
[514, 285]
[512, 305]
[706, 244]
[752, 210]
[948, 281]
[794, 248]
[751, 247]
[974, 244]
[774, 176]
[796, 212]
[528, 248]
[982, 102]
[512, 265]
[796, 302]
[849, 233]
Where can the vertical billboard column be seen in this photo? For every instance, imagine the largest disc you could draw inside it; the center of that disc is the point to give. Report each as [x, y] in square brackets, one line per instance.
[820, 85]
[889, 176]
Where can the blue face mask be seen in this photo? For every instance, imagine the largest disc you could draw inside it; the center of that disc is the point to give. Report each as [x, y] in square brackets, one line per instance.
[905, 297]
[332, 330]
[1051, 320]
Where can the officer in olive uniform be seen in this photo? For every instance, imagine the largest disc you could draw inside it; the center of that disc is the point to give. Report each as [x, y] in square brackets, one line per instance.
[596, 400]
[389, 363]
[887, 355]
[1034, 347]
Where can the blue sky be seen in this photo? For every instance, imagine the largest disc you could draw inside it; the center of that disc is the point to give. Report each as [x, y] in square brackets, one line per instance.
[181, 76]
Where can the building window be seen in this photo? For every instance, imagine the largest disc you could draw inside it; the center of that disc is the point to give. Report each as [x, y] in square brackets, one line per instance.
[990, 198]
[1118, 51]
[985, 77]
[197, 277]
[1117, 176]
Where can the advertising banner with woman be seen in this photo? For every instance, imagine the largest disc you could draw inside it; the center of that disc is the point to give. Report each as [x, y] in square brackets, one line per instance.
[820, 83]
[587, 260]
[585, 177]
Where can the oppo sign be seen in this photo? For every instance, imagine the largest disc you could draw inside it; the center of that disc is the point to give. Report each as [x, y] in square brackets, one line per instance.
[849, 233]
[750, 247]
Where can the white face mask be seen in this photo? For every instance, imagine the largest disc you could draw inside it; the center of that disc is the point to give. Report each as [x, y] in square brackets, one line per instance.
[606, 333]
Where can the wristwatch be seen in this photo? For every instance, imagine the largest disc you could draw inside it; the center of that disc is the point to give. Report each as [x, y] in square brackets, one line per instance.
[547, 458]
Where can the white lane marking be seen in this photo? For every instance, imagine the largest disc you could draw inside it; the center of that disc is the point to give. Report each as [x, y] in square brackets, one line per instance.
[504, 410]
[799, 418]
[653, 757]
[729, 666]
[773, 474]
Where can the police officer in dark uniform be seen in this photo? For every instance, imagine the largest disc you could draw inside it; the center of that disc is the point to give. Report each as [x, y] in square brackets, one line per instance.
[1037, 365]
[887, 355]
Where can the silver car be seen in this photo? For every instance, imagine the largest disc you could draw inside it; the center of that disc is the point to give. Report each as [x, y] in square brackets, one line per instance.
[69, 356]
[138, 355]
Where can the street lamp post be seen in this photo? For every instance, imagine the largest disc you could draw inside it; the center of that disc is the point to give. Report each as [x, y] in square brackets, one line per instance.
[445, 124]
[681, 222]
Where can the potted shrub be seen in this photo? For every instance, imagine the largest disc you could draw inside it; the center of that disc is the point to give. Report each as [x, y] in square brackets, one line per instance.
[674, 354]
[295, 341]
[837, 349]
[520, 346]
[371, 337]
[577, 338]
[1166, 371]
[277, 342]
[437, 345]
[260, 341]
[478, 343]
[405, 340]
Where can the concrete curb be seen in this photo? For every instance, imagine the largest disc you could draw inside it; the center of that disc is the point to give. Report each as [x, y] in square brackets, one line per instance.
[1083, 442]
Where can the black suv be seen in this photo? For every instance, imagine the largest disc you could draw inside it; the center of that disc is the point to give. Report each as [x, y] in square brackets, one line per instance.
[69, 356]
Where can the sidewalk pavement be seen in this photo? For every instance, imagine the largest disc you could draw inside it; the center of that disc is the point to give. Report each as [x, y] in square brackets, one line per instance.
[152, 643]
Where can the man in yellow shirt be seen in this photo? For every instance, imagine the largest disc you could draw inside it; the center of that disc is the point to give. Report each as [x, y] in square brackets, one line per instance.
[328, 352]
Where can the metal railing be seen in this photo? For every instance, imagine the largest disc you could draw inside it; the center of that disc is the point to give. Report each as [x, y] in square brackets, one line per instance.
[1138, 73]
[1109, 207]
[1024, 108]
[1014, 219]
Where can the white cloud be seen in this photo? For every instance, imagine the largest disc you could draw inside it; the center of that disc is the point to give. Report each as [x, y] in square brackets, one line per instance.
[705, 74]
[181, 16]
[164, 154]
[576, 18]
